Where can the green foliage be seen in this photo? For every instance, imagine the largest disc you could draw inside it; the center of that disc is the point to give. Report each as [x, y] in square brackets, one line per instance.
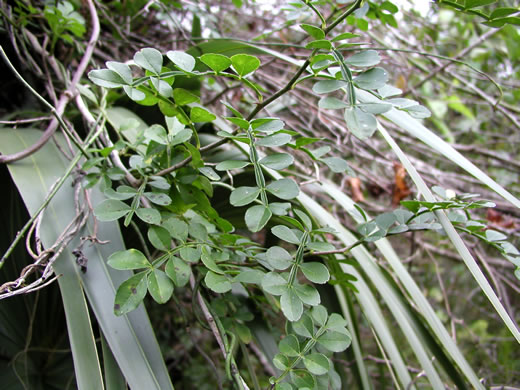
[234, 232]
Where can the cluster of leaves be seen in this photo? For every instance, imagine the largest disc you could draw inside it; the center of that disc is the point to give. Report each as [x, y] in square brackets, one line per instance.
[498, 17]
[63, 19]
[183, 227]
[420, 215]
[175, 184]
[314, 337]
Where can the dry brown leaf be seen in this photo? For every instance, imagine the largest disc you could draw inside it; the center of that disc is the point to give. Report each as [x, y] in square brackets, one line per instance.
[401, 189]
[355, 186]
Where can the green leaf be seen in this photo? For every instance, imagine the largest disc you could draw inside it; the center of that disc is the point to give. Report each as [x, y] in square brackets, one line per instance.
[189, 254]
[159, 237]
[199, 232]
[256, 217]
[335, 341]
[317, 363]
[284, 189]
[281, 362]
[274, 283]
[291, 304]
[157, 133]
[279, 258]
[389, 6]
[313, 31]
[502, 12]
[162, 87]
[251, 276]
[336, 164]
[150, 216]
[183, 97]
[493, 235]
[178, 271]
[304, 326]
[303, 380]
[336, 322]
[315, 272]
[319, 44]
[289, 346]
[361, 124]
[130, 294]
[158, 198]
[279, 208]
[133, 93]
[182, 60]
[217, 62]
[209, 262]
[327, 86]
[111, 210]
[160, 286]
[129, 259]
[343, 36]
[277, 161]
[286, 234]
[122, 70]
[468, 4]
[177, 228]
[372, 79]
[217, 283]
[198, 114]
[231, 164]
[150, 59]
[304, 218]
[106, 78]
[364, 59]
[210, 173]
[319, 314]
[277, 139]
[307, 293]
[244, 64]
[331, 103]
[375, 108]
[267, 125]
[181, 137]
[242, 196]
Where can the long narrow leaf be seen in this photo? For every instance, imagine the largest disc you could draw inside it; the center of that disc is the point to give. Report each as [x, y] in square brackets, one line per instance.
[454, 237]
[415, 293]
[131, 337]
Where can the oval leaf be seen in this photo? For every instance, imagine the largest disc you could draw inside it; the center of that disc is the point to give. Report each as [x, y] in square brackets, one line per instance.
[291, 304]
[216, 62]
[284, 189]
[160, 286]
[257, 217]
[317, 363]
[217, 283]
[130, 294]
[278, 258]
[111, 209]
[277, 161]
[315, 272]
[243, 195]
[244, 64]
[150, 59]
[129, 259]
[183, 60]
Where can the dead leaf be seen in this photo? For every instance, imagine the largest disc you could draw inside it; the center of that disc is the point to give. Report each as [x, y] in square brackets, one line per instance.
[401, 189]
[355, 186]
[496, 218]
